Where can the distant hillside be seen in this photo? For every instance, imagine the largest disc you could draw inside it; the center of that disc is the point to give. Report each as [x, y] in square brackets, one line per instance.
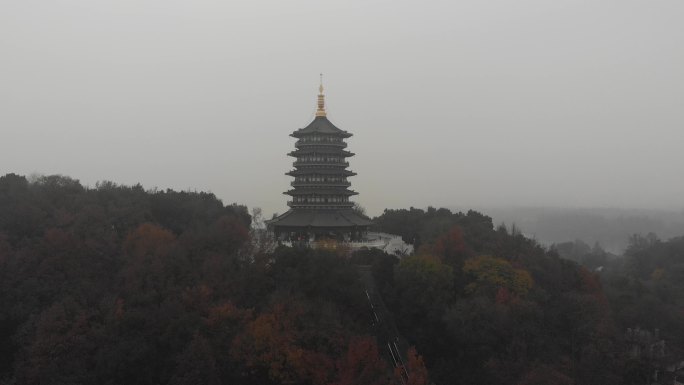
[610, 227]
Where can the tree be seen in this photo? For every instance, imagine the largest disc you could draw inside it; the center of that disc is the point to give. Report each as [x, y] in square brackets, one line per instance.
[59, 346]
[451, 247]
[362, 364]
[418, 374]
[359, 209]
[423, 285]
[275, 342]
[196, 365]
[492, 274]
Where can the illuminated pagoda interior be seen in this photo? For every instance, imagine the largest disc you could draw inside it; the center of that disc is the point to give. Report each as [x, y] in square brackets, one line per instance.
[320, 207]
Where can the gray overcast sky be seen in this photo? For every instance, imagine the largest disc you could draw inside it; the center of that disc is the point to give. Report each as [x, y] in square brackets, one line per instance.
[451, 103]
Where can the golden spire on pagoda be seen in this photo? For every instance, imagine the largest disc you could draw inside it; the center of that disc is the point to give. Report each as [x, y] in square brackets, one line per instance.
[321, 100]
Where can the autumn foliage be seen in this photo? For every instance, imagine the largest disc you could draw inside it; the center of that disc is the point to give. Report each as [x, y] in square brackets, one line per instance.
[487, 305]
[119, 285]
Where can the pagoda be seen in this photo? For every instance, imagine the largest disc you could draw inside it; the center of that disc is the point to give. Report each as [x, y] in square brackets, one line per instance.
[320, 207]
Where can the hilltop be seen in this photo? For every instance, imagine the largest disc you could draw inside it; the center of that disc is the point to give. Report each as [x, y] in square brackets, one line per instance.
[119, 285]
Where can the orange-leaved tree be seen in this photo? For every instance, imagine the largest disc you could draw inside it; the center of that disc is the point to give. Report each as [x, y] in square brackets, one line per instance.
[278, 343]
[362, 364]
[418, 374]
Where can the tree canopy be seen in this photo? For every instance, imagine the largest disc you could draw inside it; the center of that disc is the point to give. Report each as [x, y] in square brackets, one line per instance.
[119, 285]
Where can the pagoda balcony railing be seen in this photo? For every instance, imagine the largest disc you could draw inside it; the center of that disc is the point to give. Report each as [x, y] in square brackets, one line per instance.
[295, 172]
[313, 184]
[321, 152]
[311, 144]
[320, 163]
[320, 205]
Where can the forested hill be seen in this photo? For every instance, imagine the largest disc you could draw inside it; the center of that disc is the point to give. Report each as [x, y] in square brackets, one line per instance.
[118, 285]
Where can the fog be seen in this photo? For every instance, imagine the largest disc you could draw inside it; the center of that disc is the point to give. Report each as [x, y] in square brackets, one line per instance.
[609, 228]
[470, 103]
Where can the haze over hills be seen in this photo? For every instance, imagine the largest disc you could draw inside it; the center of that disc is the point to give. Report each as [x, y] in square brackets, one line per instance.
[610, 227]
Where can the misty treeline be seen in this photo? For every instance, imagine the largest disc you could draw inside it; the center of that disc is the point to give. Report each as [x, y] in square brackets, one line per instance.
[118, 285]
[609, 227]
[645, 287]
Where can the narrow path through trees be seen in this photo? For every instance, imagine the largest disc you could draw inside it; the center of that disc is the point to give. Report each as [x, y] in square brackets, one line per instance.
[389, 339]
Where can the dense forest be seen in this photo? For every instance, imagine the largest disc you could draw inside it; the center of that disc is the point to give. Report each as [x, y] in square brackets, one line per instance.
[119, 285]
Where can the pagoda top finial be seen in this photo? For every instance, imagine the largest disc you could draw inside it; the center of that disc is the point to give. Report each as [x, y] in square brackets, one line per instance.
[321, 100]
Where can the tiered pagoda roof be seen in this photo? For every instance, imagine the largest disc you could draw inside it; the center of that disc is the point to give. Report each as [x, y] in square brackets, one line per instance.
[320, 193]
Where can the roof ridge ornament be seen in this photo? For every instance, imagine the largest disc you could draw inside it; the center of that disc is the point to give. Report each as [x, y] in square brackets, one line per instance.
[321, 100]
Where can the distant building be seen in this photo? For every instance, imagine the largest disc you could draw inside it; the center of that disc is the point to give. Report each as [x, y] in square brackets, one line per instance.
[320, 208]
